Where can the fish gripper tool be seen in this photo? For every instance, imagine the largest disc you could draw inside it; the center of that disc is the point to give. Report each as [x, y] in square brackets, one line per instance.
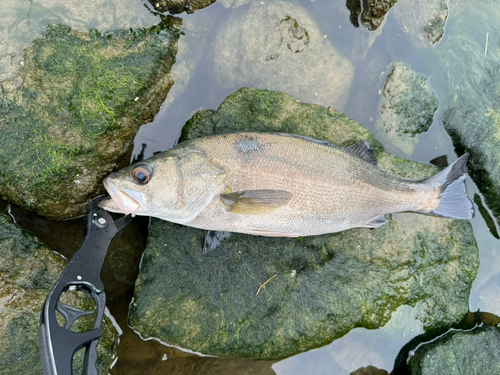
[59, 343]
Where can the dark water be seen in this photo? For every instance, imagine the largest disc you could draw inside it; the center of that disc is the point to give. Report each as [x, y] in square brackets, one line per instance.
[360, 347]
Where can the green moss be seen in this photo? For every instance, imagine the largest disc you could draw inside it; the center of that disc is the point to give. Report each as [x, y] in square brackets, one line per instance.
[78, 89]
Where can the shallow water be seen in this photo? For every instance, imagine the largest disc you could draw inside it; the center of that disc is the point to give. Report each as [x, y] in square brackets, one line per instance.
[361, 347]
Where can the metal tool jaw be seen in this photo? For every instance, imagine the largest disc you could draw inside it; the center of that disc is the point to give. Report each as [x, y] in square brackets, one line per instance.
[58, 344]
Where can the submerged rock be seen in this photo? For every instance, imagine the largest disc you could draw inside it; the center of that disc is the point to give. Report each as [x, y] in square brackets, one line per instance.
[278, 46]
[468, 72]
[323, 286]
[72, 120]
[179, 6]
[424, 20]
[407, 108]
[459, 352]
[28, 270]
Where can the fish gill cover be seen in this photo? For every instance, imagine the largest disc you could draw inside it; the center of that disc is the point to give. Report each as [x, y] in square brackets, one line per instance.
[72, 120]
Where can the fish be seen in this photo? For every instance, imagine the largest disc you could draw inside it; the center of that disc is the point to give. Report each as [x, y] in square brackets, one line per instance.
[279, 185]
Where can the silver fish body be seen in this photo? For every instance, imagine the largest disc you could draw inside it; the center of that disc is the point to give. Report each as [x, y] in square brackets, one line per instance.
[278, 185]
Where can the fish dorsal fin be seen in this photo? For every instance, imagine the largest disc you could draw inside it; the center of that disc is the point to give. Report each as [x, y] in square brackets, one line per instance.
[255, 202]
[362, 150]
[309, 139]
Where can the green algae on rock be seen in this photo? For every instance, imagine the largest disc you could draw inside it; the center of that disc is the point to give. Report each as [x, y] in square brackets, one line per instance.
[407, 109]
[324, 285]
[460, 352]
[179, 6]
[73, 119]
[28, 269]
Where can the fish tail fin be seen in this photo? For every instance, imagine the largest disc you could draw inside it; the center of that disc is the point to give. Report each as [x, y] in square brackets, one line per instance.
[453, 200]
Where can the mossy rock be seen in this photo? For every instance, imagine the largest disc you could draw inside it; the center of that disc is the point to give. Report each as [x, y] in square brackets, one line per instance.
[324, 285]
[459, 352]
[372, 15]
[73, 119]
[407, 108]
[28, 270]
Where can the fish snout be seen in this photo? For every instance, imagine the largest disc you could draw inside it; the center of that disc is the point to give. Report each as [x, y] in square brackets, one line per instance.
[123, 201]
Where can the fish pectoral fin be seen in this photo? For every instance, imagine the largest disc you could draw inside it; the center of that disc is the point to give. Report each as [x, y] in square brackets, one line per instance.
[213, 240]
[255, 202]
[376, 222]
[362, 150]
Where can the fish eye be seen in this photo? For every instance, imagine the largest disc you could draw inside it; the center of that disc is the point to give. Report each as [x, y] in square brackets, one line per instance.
[141, 174]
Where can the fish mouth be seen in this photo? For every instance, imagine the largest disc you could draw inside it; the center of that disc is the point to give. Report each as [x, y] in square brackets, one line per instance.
[120, 201]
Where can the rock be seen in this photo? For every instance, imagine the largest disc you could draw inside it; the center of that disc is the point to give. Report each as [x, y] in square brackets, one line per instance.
[18, 30]
[373, 13]
[28, 270]
[324, 285]
[369, 370]
[82, 99]
[179, 6]
[407, 109]
[468, 75]
[460, 352]
[424, 20]
[272, 45]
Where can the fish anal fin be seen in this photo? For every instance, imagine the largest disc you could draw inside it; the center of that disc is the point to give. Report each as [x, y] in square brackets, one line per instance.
[255, 202]
[362, 150]
[376, 222]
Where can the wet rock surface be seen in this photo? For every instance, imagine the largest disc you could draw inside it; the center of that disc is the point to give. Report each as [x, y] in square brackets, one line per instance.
[179, 6]
[407, 108]
[460, 352]
[324, 285]
[28, 270]
[272, 46]
[371, 15]
[82, 98]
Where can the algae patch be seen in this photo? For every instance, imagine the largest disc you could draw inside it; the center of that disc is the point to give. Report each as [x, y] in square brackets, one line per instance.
[72, 119]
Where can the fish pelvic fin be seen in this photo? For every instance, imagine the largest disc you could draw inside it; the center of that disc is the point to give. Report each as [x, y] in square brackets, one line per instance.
[255, 202]
[453, 200]
[213, 240]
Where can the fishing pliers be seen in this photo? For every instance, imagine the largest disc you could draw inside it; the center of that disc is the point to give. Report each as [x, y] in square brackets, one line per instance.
[59, 343]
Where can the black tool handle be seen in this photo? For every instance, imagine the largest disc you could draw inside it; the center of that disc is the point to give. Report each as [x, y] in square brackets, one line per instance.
[58, 344]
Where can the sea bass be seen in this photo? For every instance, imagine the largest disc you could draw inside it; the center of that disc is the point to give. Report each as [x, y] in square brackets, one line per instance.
[275, 184]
